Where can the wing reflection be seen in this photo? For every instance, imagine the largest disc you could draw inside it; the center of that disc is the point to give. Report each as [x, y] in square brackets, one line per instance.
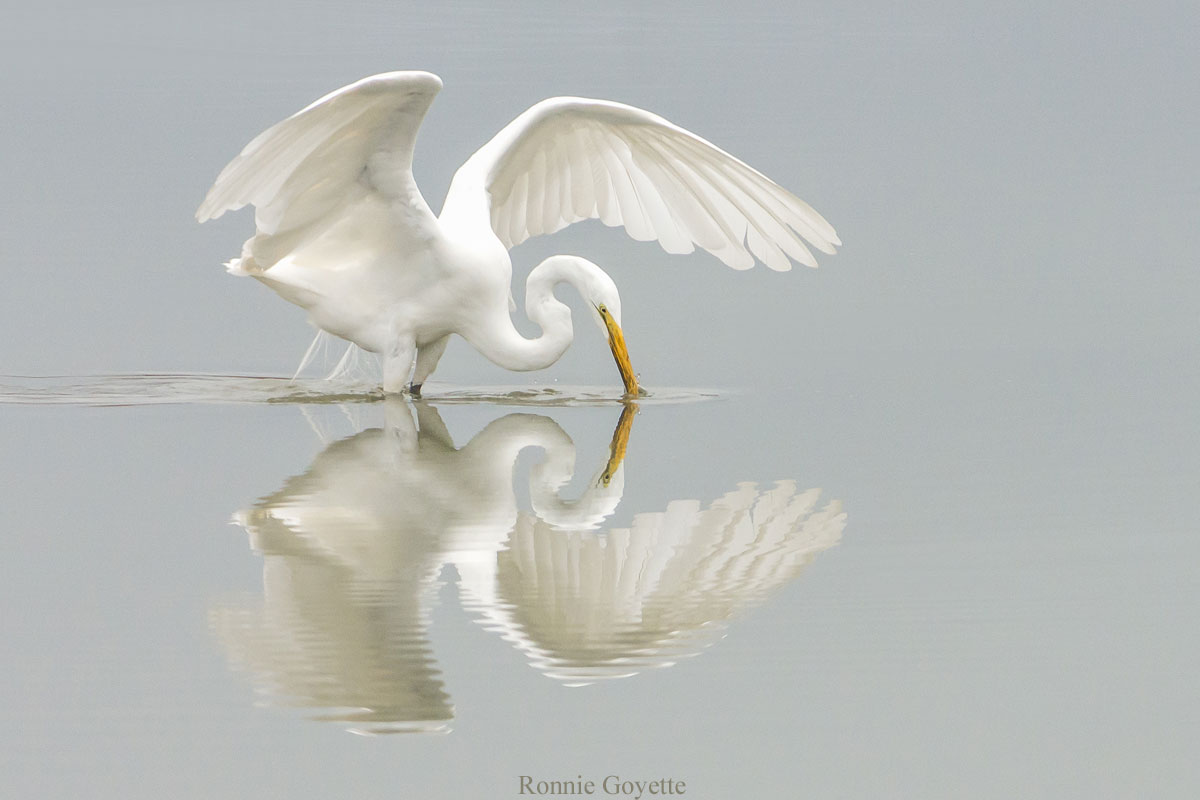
[585, 606]
[354, 548]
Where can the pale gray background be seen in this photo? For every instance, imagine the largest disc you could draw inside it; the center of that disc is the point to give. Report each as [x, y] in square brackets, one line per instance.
[997, 375]
[1019, 178]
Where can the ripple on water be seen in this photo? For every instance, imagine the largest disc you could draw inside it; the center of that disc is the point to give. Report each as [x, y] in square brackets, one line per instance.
[153, 389]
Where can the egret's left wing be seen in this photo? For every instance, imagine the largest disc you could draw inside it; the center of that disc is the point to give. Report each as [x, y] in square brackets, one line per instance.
[568, 159]
[353, 142]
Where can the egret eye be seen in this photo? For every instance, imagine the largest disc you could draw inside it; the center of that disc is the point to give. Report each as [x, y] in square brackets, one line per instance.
[603, 309]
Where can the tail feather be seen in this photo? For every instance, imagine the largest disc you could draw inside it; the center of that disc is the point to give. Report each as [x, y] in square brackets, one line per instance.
[236, 266]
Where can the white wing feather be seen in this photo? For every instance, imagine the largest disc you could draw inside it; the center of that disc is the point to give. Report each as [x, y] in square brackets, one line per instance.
[568, 159]
[353, 142]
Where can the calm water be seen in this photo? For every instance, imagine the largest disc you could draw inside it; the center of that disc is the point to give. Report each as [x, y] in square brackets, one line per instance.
[927, 528]
[960, 581]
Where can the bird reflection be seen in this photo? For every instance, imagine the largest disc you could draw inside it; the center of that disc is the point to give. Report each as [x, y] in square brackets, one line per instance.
[354, 550]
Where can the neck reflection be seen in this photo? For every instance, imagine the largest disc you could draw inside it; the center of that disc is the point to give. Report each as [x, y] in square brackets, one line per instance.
[354, 549]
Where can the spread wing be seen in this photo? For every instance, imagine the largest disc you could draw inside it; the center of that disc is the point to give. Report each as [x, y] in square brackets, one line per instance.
[568, 159]
[351, 143]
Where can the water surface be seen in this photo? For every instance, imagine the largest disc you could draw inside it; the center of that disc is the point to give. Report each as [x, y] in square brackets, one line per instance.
[907, 565]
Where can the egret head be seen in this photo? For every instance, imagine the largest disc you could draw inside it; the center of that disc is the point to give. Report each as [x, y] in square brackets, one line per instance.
[599, 293]
[605, 304]
[609, 318]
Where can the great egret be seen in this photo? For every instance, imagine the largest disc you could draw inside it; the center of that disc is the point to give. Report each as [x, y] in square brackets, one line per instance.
[343, 231]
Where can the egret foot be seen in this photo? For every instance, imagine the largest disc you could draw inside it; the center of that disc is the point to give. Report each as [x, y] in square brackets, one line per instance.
[415, 389]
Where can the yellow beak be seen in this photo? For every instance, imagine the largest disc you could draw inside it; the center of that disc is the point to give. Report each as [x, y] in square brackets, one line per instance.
[620, 440]
[616, 341]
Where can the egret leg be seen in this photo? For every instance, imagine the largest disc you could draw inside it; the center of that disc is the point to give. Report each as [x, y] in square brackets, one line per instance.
[427, 361]
[397, 364]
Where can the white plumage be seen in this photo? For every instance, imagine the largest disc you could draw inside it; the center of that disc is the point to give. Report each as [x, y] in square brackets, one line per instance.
[343, 231]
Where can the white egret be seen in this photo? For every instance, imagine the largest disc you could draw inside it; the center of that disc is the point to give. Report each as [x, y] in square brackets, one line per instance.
[343, 231]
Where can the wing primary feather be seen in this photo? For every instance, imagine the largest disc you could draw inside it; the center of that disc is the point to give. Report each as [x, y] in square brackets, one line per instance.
[770, 229]
[583, 182]
[666, 229]
[676, 166]
[562, 209]
[714, 186]
[804, 219]
[517, 210]
[552, 196]
[537, 193]
[694, 217]
[766, 250]
[694, 221]
[633, 210]
[630, 210]
[705, 149]
[732, 221]
[606, 197]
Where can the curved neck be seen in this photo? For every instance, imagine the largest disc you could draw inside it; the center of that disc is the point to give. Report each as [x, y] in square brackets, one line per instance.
[502, 344]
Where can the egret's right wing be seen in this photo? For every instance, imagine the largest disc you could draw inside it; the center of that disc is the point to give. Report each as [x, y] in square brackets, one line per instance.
[568, 159]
